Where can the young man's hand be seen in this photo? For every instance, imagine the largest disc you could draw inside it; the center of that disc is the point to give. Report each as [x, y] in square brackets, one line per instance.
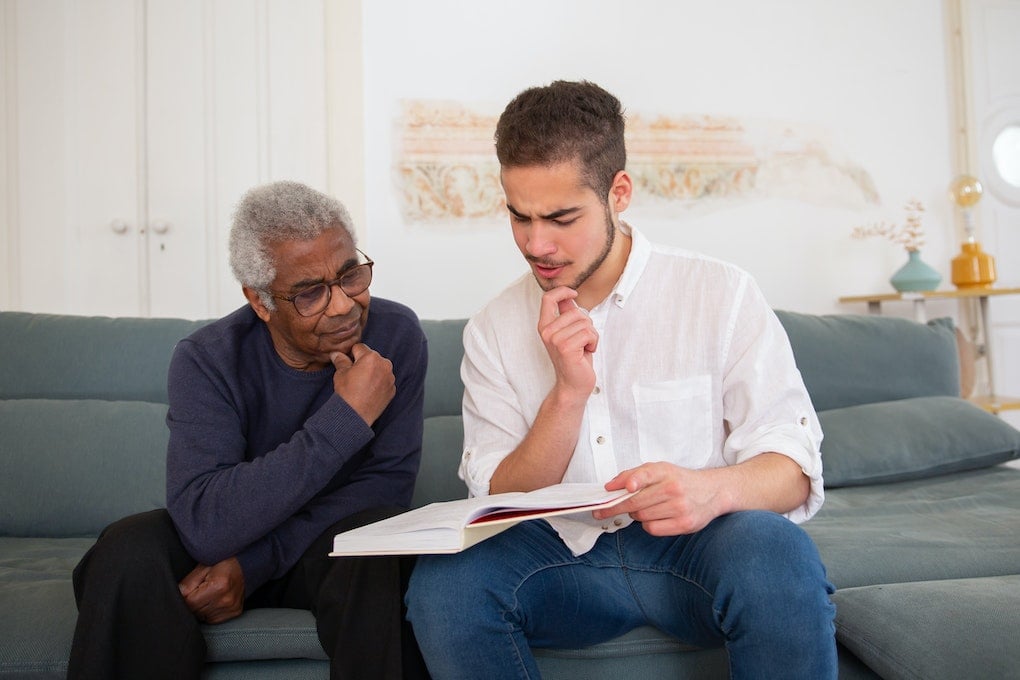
[570, 339]
[673, 500]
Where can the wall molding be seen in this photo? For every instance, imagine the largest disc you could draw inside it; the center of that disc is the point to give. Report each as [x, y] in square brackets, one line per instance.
[345, 106]
[10, 283]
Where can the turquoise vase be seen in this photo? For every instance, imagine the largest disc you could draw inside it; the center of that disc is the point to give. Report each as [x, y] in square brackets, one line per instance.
[915, 275]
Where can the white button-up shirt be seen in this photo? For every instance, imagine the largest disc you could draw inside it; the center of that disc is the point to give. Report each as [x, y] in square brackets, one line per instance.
[692, 367]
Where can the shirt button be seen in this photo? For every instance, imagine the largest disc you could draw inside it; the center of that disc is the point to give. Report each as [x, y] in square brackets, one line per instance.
[803, 421]
[467, 454]
[597, 390]
[600, 440]
[605, 527]
[617, 522]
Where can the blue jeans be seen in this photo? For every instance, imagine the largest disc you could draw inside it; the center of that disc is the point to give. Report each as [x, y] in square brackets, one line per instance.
[750, 581]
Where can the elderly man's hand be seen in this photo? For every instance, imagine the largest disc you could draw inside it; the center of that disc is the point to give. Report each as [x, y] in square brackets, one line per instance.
[215, 594]
[366, 383]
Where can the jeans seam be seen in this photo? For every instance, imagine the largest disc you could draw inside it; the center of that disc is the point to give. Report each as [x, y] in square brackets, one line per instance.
[659, 570]
[512, 612]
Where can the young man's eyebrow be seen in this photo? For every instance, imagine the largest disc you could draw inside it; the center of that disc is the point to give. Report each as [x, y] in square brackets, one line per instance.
[555, 215]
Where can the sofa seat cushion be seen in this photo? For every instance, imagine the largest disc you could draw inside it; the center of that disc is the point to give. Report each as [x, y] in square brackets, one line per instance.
[264, 634]
[910, 439]
[960, 628]
[37, 602]
[643, 652]
[953, 526]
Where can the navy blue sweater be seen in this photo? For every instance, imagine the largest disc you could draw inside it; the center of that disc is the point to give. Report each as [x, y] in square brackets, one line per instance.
[263, 458]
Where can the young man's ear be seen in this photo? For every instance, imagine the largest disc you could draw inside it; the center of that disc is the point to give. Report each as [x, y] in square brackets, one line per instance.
[256, 303]
[620, 191]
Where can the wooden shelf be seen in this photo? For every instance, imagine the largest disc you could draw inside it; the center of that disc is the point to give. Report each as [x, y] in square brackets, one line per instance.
[932, 295]
[995, 403]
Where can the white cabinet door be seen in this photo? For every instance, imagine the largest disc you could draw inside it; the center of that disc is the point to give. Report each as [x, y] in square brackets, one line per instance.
[137, 126]
[76, 159]
[179, 158]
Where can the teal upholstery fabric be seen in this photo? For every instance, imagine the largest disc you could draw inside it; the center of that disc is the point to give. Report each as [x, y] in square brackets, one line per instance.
[37, 610]
[71, 466]
[442, 444]
[82, 357]
[277, 669]
[443, 387]
[444, 430]
[911, 438]
[961, 525]
[965, 628]
[82, 442]
[847, 360]
[264, 634]
[32, 647]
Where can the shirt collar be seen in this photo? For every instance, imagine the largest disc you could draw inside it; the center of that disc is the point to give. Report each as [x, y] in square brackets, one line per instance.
[640, 251]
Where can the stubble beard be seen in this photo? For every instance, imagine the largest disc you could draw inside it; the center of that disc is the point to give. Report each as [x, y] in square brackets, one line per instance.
[546, 284]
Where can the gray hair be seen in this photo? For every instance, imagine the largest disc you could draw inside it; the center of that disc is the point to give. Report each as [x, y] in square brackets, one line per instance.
[275, 212]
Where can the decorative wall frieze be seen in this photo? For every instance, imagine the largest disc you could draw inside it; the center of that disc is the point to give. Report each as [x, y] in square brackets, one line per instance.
[446, 170]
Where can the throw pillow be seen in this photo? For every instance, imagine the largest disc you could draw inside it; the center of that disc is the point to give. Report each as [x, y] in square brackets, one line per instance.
[911, 438]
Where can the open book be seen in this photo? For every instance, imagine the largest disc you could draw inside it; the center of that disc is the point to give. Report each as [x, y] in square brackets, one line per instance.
[455, 525]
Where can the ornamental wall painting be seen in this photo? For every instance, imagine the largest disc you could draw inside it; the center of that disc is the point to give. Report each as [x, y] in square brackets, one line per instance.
[446, 168]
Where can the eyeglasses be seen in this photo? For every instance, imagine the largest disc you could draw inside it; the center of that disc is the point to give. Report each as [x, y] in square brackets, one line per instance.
[314, 299]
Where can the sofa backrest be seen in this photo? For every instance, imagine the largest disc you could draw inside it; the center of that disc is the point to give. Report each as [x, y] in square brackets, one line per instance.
[53, 356]
[444, 429]
[83, 404]
[848, 359]
[82, 420]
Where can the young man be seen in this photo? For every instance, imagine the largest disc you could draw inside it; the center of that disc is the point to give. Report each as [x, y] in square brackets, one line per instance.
[646, 368]
[295, 417]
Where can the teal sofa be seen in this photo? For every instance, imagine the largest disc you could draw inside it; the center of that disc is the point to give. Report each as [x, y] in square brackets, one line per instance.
[920, 530]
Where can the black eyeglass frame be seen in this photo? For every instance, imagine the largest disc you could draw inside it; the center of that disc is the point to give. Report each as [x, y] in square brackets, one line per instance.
[338, 281]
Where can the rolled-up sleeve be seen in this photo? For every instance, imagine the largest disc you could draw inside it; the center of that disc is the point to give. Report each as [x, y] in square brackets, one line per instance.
[766, 405]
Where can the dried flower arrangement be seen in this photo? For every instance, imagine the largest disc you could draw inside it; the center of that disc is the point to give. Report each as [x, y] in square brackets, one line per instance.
[910, 234]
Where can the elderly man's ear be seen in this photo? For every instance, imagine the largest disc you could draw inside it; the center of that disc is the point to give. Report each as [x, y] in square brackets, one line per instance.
[256, 303]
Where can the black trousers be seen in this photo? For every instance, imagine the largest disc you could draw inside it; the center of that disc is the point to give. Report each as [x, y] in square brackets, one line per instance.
[134, 623]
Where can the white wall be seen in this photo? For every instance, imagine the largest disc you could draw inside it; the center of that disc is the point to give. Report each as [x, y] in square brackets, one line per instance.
[868, 77]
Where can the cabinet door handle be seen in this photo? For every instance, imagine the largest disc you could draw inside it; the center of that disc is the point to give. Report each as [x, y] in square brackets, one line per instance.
[119, 226]
[161, 226]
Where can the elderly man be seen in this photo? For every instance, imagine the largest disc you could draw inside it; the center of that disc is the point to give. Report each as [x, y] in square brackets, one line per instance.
[291, 419]
[644, 368]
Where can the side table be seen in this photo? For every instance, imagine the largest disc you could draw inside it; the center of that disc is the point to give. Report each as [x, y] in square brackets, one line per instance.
[991, 401]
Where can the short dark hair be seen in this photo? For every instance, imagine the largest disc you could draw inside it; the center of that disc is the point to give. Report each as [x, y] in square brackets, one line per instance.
[563, 122]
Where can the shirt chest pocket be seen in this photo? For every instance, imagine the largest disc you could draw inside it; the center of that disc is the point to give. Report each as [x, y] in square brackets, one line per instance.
[674, 421]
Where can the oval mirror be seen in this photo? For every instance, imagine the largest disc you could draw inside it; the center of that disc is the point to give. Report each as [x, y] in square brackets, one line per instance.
[1006, 154]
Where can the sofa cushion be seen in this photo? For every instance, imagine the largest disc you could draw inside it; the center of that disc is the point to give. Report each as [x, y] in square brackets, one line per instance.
[272, 633]
[951, 526]
[70, 467]
[911, 438]
[848, 359]
[442, 444]
[37, 602]
[965, 628]
[87, 357]
[443, 387]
